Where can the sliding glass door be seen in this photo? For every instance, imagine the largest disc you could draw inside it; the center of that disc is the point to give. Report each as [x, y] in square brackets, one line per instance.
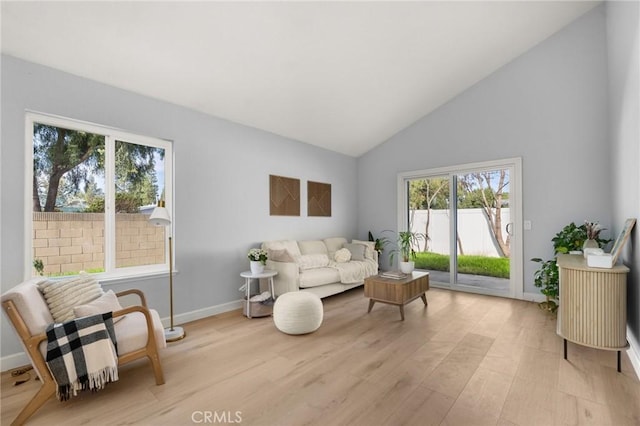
[468, 215]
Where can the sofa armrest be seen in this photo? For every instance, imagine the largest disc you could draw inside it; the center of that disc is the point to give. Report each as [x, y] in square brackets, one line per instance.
[288, 278]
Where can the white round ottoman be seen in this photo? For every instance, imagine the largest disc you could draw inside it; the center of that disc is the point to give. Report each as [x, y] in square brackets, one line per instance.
[298, 312]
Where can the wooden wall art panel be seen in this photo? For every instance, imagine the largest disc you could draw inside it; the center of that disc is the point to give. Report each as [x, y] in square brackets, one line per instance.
[319, 199]
[284, 196]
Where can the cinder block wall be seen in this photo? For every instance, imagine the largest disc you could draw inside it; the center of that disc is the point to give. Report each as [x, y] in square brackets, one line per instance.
[71, 242]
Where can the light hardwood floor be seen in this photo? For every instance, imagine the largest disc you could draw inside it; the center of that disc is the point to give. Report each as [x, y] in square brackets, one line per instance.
[463, 360]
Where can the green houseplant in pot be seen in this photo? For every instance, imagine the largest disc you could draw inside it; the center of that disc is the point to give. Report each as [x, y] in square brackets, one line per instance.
[570, 238]
[547, 279]
[406, 241]
[379, 245]
[38, 265]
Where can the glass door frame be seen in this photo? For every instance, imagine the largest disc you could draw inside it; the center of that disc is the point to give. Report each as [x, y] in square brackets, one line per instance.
[516, 281]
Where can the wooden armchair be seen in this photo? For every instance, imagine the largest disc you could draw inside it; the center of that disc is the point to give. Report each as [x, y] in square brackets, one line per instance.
[140, 334]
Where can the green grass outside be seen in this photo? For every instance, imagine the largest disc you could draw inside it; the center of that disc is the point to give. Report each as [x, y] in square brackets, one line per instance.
[67, 274]
[474, 265]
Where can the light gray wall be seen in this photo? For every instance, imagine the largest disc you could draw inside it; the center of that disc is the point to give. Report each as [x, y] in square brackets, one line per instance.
[623, 46]
[548, 106]
[221, 176]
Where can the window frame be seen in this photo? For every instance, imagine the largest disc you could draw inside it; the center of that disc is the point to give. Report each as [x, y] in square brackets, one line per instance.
[111, 135]
[516, 285]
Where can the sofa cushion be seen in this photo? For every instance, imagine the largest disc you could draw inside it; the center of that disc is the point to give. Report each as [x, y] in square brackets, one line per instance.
[319, 276]
[357, 251]
[63, 295]
[290, 245]
[342, 255]
[312, 247]
[312, 261]
[334, 244]
[370, 247]
[280, 255]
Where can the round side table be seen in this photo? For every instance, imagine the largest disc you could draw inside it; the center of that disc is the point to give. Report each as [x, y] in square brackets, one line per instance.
[248, 276]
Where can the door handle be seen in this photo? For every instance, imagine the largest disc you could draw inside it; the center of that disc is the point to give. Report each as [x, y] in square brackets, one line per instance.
[509, 227]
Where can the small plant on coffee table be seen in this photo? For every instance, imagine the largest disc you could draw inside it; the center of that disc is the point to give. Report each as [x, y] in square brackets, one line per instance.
[406, 240]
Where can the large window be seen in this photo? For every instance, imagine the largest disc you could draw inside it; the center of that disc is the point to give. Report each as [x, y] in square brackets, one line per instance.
[89, 195]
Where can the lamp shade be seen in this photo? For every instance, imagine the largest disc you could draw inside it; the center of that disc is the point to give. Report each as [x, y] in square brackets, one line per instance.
[160, 216]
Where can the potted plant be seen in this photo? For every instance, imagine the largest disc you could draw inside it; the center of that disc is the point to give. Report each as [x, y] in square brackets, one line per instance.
[570, 238]
[379, 243]
[406, 241]
[547, 279]
[38, 265]
[257, 258]
[593, 235]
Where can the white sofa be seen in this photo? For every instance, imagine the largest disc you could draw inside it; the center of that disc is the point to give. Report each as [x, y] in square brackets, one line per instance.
[313, 265]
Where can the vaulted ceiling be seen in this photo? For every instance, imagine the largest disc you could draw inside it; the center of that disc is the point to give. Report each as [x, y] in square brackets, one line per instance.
[345, 76]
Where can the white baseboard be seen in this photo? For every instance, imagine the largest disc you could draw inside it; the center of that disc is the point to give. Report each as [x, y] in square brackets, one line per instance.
[10, 362]
[634, 352]
[20, 359]
[202, 313]
[534, 297]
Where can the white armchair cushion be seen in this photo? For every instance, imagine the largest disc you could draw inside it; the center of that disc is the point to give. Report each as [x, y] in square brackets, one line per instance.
[108, 302]
[30, 303]
[131, 332]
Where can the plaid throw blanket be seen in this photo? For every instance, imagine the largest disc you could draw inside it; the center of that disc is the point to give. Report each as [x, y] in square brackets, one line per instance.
[82, 354]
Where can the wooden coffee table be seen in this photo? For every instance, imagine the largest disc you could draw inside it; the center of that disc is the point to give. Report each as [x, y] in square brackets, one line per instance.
[397, 292]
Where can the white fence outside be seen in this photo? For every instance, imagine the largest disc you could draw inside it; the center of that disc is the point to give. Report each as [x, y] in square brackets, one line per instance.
[473, 230]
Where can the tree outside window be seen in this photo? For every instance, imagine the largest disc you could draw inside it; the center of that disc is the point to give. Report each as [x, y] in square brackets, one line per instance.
[75, 172]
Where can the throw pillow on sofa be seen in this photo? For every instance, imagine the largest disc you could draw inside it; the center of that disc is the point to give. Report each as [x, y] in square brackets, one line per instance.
[343, 255]
[370, 247]
[280, 255]
[357, 251]
[312, 261]
[289, 245]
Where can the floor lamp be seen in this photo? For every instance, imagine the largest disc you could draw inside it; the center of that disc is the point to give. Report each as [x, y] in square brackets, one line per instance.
[160, 217]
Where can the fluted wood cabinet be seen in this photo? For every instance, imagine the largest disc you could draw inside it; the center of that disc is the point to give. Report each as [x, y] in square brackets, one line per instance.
[593, 305]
